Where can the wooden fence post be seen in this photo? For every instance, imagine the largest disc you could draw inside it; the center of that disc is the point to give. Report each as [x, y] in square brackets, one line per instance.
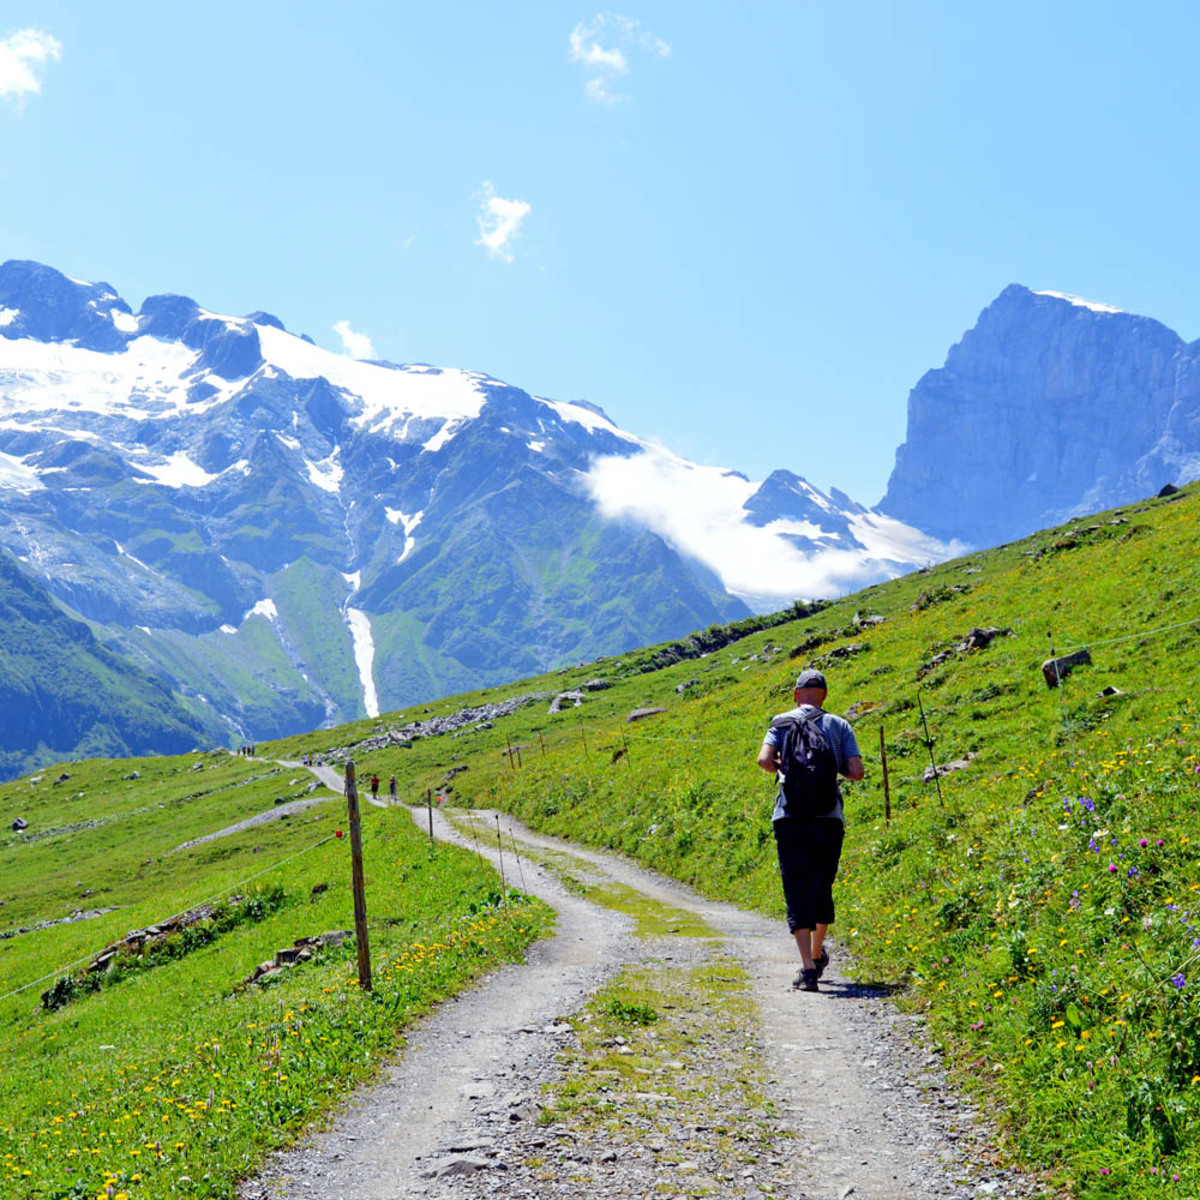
[359, 887]
[500, 843]
[887, 795]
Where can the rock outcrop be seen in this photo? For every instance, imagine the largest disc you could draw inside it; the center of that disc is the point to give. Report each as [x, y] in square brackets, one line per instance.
[1050, 407]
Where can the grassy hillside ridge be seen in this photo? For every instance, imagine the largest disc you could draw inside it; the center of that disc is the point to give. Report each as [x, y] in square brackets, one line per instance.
[1041, 914]
[174, 1078]
[1029, 937]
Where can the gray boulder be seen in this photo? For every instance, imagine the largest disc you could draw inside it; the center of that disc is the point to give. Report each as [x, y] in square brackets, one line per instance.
[1054, 670]
[640, 714]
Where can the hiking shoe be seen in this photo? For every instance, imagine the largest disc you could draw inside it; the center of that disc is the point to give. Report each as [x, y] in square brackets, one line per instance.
[822, 963]
[806, 980]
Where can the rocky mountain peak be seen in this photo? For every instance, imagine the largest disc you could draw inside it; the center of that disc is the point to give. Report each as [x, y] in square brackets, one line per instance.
[1049, 407]
[39, 302]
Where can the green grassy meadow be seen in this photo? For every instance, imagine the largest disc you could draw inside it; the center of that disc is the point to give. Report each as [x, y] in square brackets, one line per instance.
[174, 1079]
[1040, 913]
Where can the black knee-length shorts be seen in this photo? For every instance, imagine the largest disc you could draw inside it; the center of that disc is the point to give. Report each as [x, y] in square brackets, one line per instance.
[809, 853]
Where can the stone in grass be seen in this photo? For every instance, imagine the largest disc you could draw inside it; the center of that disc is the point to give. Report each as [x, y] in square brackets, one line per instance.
[683, 687]
[19, 824]
[640, 714]
[1054, 670]
[957, 764]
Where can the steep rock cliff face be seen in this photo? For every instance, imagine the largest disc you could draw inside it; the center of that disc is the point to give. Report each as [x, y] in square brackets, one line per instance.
[1050, 407]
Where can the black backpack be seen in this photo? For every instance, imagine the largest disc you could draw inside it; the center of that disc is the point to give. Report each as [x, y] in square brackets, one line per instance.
[808, 766]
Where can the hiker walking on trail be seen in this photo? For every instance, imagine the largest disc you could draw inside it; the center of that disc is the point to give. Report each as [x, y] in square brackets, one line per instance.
[392, 788]
[374, 787]
[808, 749]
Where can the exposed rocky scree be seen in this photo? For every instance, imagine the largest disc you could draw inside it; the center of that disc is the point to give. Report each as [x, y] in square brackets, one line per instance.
[479, 716]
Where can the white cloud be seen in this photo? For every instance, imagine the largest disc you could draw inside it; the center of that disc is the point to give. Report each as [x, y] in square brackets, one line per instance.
[499, 223]
[602, 47]
[698, 510]
[357, 345]
[21, 54]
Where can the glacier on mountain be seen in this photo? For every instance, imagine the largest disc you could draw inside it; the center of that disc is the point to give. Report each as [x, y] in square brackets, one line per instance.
[483, 533]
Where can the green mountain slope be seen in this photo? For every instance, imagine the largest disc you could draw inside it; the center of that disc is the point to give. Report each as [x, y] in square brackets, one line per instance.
[64, 695]
[1040, 912]
[165, 1074]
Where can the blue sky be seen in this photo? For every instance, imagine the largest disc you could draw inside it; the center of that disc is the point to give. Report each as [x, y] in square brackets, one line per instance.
[745, 230]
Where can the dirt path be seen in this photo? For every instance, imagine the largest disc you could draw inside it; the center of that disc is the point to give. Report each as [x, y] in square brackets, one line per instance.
[854, 1107]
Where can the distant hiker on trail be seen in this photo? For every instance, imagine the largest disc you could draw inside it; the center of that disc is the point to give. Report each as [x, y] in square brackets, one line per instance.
[392, 788]
[809, 748]
[374, 787]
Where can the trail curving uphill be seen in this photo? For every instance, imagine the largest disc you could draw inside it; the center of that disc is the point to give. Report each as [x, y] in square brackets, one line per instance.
[772, 1092]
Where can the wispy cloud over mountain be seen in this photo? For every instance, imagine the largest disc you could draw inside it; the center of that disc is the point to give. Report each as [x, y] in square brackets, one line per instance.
[357, 345]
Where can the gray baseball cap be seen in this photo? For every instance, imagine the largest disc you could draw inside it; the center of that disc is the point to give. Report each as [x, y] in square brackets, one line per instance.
[811, 679]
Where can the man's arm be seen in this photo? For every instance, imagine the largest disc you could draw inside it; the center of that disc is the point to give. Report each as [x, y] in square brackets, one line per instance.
[854, 767]
[768, 758]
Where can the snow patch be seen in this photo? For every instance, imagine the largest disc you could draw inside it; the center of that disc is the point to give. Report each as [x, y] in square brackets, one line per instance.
[132, 558]
[125, 322]
[1080, 302]
[264, 608]
[409, 523]
[143, 381]
[389, 394]
[178, 471]
[443, 435]
[228, 629]
[536, 447]
[7, 315]
[326, 474]
[364, 656]
[16, 476]
[290, 442]
[353, 580]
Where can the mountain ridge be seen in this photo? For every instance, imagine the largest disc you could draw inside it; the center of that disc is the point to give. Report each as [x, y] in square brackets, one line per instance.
[292, 536]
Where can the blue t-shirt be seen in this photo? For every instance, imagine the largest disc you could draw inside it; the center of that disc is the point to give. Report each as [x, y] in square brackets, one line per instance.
[840, 736]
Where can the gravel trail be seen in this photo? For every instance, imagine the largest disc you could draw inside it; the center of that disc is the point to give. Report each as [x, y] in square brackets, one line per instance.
[861, 1110]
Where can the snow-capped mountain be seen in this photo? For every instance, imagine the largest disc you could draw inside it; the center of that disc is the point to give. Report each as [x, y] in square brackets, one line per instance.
[1051, 407]
[290, 536]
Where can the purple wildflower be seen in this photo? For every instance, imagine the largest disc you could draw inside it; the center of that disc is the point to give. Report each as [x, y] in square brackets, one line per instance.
[1178, 980]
